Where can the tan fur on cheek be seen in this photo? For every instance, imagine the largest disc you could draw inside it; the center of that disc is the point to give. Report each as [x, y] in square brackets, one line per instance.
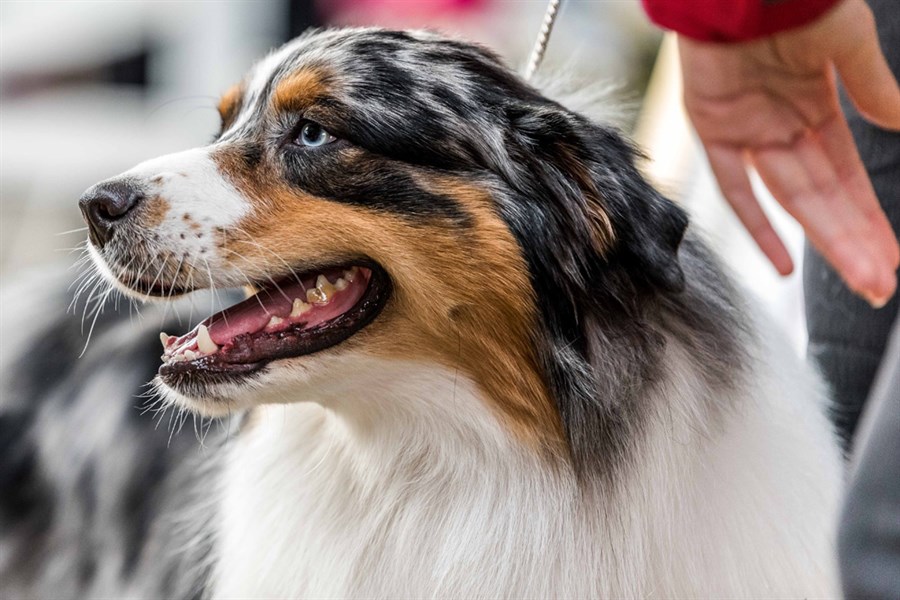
[462, 297]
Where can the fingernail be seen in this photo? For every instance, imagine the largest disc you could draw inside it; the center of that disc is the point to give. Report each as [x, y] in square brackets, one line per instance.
[883, 296]
[877, 303]
[889, 287]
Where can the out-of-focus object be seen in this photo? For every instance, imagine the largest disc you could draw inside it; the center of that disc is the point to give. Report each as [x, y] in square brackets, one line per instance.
[88, 89]
[540, 45]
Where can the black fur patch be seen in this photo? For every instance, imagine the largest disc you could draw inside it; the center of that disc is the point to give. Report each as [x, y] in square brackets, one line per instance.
[411, 106]
[371, 182]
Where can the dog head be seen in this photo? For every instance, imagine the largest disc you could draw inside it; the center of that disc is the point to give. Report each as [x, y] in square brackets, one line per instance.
[402, 195]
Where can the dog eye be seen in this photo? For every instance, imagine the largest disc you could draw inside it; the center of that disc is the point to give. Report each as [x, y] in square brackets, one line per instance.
[313, 135]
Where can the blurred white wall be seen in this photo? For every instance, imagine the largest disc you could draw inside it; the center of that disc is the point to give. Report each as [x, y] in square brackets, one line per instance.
[60, 133]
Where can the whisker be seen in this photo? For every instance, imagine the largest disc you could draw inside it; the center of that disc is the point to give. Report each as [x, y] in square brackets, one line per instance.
[190, 286]
[84, 275]
[290, 269]
[162, 266]
[71, 231]
[172, 289]
[251, 284]
[90, 280]
[93, 295]
[82, 260]
[71, 250]
[97, 312]
[194, 97]
[171, 426]
[272, 281]
[215, 295]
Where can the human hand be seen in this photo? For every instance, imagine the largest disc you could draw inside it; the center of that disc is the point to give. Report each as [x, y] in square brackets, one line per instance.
[773, 104]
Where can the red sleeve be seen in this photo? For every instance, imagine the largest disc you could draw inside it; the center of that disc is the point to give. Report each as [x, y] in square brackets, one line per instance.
[734, 20]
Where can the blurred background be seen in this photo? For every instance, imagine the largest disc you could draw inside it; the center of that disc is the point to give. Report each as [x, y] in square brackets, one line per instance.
[89, 89]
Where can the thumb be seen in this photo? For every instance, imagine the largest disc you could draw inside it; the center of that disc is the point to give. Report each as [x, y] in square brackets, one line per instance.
[866, 75]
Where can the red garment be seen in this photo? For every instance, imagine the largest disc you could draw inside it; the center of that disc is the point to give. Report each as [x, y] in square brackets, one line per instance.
[734, 20]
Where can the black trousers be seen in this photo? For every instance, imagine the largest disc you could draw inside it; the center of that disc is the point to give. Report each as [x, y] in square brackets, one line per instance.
[869, 541]
[849, 342]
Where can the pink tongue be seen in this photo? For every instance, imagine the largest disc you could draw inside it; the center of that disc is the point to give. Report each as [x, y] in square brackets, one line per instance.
[254, 313]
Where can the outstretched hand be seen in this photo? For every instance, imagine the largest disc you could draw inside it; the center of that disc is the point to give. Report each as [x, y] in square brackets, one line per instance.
[773, 104]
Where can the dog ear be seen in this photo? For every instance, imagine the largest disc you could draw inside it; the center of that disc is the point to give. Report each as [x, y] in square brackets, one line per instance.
[602, 246]
[589, 173]
[649, 226]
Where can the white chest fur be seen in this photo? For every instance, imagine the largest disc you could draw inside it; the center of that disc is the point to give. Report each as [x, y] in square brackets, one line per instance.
[410, 488]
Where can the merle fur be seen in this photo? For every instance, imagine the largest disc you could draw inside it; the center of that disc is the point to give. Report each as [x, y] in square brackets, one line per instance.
[418, 104]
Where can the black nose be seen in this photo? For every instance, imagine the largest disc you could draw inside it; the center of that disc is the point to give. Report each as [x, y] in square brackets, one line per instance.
[105, 205]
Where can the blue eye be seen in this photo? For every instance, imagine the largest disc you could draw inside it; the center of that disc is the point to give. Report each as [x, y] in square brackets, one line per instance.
[313, 135]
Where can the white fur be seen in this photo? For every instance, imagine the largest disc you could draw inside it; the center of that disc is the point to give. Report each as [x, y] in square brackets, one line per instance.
[397, 481]
[190, 181]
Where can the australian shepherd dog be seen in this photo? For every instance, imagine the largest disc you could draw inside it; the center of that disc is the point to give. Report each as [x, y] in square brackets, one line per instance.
[481, 358]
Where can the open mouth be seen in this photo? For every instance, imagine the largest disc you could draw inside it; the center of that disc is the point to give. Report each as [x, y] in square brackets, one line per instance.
[291, 317]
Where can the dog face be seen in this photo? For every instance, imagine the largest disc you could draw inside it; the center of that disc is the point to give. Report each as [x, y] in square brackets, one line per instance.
[399, 195]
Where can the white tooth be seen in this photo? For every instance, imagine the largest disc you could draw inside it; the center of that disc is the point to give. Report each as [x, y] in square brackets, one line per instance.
[275, 321]
[350, 274]
[204, 342]
[190, 355]
[316, 296]
[299, 307]
[164, 338]
[341, 284]
[179, 358]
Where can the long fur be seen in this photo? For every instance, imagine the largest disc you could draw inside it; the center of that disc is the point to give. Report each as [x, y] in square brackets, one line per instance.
[565, 395]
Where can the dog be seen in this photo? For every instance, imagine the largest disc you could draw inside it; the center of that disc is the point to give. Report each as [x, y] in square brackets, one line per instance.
[481, 357]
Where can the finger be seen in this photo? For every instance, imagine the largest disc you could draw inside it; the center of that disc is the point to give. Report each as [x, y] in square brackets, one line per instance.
[867, 76]
[841, 202]
[803, 181]
[837, 143]
[730, 171]
[834, 224]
